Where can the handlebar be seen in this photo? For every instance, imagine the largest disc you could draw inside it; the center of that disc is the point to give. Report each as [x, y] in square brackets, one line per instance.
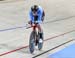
[29, 26]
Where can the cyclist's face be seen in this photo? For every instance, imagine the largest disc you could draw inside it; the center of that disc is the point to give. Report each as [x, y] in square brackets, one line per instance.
[34, 13]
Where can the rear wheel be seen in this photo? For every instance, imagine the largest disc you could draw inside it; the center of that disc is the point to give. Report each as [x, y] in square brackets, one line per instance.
[40, 43]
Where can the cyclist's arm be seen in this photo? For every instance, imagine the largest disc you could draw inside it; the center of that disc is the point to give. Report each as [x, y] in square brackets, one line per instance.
[40, 16]
[30, 17]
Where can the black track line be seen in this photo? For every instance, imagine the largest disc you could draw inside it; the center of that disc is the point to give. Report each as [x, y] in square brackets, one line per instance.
[52, 48]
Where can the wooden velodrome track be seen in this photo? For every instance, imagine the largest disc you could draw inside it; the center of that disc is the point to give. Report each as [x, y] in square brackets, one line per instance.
[59, 27]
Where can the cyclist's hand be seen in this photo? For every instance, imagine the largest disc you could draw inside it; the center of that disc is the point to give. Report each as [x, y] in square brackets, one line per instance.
[28, 26]
[29, 22]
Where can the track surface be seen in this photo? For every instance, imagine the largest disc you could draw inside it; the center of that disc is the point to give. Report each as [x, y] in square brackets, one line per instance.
[59, 27]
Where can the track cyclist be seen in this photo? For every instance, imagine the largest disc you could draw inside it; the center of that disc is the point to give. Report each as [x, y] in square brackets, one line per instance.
[36, 15]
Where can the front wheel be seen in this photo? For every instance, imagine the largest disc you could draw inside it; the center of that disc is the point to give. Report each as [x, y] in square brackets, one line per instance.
[31, 42]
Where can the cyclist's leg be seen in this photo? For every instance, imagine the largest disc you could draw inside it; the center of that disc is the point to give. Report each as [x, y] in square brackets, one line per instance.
[40, 30]
[40, 37]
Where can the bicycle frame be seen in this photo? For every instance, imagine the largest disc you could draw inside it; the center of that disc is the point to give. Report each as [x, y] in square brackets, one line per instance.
[34, 26]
